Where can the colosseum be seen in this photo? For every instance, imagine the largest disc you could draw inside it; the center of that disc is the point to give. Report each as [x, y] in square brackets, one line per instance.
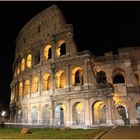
[55, 85]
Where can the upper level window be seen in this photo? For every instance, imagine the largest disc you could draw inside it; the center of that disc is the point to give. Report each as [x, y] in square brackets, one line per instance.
[18, 68]
[118, 78]
[60, 79]
[77, 76]
[20, 89]
[37, 57]
[101, 77]
[29, 61]
[27, 87]
[61, 48]
[48, 52]
[35, 85]
[23, 64]
[46, 82]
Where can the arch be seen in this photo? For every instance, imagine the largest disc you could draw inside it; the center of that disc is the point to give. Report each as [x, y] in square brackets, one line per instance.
[25, 115]
[34, 115]
[60, 79]
[46, 115]
[99, 112]
[101, 77]
[19, 116]
[48, 52]
[78, 114]
[46, 82]
[122, 109]
[118, 76]
[137, 78]
[59, 114]
[29, 61]
[20, 89]
[137, 106]
[35, 84]
[61, 48]
[18, 68]
[27, 87]
[22, 64]
[77, 76]
[36, 57]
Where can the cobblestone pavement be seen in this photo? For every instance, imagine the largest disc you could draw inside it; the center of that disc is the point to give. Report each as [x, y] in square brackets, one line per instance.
[125, 132]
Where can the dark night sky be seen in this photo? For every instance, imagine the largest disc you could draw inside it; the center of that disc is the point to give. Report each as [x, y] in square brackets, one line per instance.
[98, 27]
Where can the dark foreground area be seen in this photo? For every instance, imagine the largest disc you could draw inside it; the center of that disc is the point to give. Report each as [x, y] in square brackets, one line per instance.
[125, 132]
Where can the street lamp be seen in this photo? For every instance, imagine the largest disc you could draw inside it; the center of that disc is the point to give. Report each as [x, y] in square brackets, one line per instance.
[3, 114]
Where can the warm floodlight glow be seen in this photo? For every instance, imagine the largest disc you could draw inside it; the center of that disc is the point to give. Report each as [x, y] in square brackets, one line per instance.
[3, 113]
[29, 61]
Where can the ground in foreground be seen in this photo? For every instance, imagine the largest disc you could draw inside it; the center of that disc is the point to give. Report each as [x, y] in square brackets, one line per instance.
[38, 133]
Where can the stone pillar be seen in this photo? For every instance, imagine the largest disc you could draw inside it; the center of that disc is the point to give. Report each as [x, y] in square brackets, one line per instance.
[86, 79]
[29, 114]
[52, 89]
[68, 77]
[30, 79]
[87, 112]
[53, 49]
[40, 83]
[52, 112]
[132, 110]
[23, 89]
[68, 112]
[109, 111]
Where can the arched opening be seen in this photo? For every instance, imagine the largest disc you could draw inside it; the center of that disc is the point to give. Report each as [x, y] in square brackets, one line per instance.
[118, 78]
[61, 49]
[77, 76]
[122, 110]
[78, 114]
[46, 82]
[19, 116]
[20, 89]
[23, 64]
[25, 115]
[18, 68]
[34, 115]
[27, 87]
[48, 52]
[138, 112]
[29, 61]
[46, 115]
[60, 79]
[37, 57]
[59, 114]
[35, 85]
[137, 78]
[99, 113]
[101, 77]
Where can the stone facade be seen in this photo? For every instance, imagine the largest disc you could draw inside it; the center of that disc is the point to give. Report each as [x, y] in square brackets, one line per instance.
[54, 85]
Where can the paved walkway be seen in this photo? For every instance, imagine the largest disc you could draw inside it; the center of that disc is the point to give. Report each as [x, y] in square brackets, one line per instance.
[125, 132]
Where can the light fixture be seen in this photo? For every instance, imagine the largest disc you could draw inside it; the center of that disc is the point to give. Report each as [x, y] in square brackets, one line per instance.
[3, 113]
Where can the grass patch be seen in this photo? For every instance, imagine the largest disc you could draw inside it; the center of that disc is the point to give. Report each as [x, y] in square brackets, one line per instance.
[46, 133]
